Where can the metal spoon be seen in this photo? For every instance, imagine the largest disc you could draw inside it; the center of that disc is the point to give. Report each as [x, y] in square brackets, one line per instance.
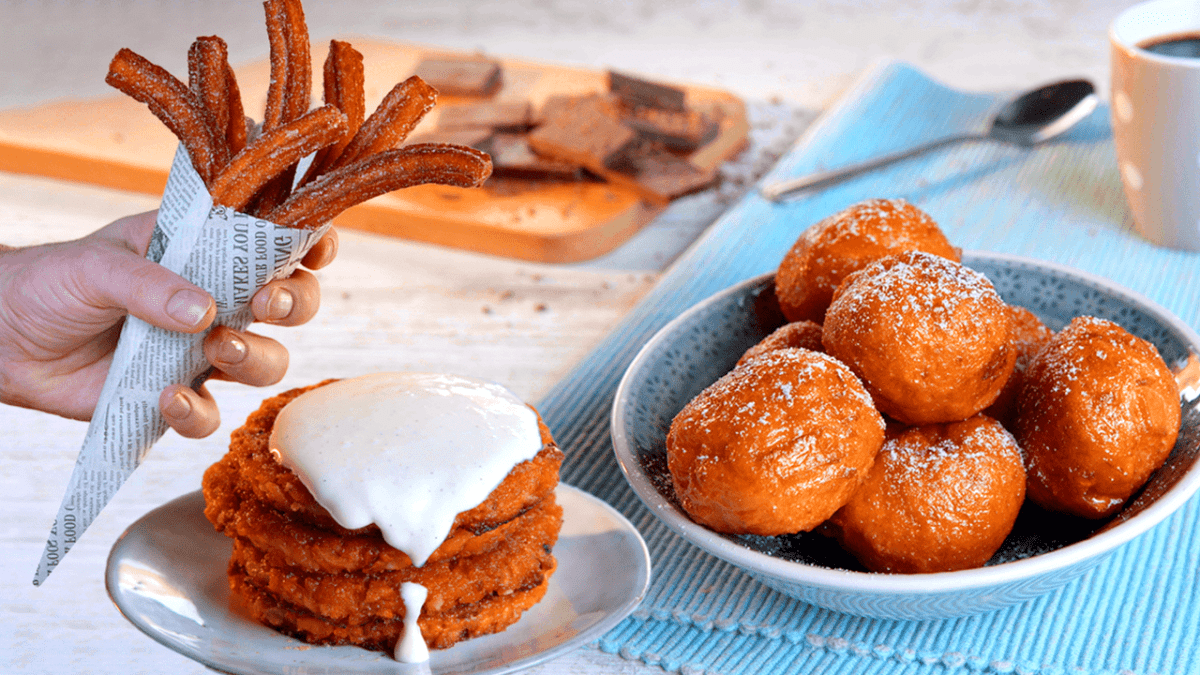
[1027, 120]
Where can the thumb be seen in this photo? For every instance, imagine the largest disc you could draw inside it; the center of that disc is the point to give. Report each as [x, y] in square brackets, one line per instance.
[152, 293]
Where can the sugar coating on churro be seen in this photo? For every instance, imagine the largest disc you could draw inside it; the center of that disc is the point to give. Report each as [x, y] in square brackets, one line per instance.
[399, 112]
[379, 174]
[277, 39]
[274, 151]
[343, 88]
[208, 60]
[171, 102]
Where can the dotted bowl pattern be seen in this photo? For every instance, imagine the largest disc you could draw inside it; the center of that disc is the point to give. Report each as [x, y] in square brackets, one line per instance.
[705, 342]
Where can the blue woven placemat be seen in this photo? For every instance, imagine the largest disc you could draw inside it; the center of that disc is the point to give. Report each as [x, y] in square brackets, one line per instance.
[1137, 613]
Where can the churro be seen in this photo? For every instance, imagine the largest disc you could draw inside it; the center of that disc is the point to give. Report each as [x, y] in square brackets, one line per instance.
[343, 82]
[171, 102]
[297, 93]
[378, 174]
[273, 152]
[343, 88]
[277, 39]
[236, 133]
[208, 63]
[399, 112]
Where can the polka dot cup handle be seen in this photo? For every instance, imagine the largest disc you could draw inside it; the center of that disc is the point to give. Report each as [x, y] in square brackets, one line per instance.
[1155, 113]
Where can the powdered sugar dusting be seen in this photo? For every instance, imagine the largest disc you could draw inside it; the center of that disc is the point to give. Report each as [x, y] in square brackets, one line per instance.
[931, 338]
[794, 399]
[778, 394]
[776, 445]
[966, 451]
[1097, 414]
[1074, 366]
[889, 223]
[940, 497]
[943, 293]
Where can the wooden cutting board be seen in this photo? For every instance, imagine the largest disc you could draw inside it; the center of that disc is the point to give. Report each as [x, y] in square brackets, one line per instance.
[116, 142]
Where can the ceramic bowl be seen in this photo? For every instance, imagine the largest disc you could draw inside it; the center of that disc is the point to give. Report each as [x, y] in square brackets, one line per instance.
[1044, 551]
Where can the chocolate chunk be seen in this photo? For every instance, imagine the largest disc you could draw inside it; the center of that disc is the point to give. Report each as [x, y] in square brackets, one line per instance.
[514, 116]
[553, 107]
[636, 92]
[661, 174]
[683, 131]
[461, 77]
[584, 130]
[511, 156]
[589, 130]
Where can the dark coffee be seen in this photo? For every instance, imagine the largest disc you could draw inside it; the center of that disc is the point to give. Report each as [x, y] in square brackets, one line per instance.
[1182, 45]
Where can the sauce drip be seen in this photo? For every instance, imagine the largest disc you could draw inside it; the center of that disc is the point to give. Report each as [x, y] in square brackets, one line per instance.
[410, 648]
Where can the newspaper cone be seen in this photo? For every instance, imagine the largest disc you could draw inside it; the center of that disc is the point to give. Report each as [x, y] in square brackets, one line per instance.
[229, 254]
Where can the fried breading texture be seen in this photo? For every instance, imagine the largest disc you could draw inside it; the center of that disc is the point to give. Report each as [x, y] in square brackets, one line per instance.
[356, 598]
[491, 615]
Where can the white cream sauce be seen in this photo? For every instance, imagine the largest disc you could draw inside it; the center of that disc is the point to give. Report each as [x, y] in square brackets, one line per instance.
[405, 451]
[410, 648]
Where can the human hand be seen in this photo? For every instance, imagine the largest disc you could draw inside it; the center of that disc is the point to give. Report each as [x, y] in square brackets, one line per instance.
[62, 306]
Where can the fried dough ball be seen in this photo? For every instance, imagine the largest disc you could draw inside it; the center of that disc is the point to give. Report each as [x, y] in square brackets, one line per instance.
[846, 242]
[775, 446]
[939, 498]
[1098, 413]
[931, 339]
[803, 334]
[1029, 336]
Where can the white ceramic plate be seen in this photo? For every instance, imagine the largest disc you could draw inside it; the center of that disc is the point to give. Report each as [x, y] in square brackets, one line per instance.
[167, 576]
[1044, 551]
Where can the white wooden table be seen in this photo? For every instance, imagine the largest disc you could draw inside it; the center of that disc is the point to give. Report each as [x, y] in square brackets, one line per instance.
[393, 305]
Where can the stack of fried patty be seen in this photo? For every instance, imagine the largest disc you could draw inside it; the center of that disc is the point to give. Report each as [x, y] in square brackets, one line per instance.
[296, 570]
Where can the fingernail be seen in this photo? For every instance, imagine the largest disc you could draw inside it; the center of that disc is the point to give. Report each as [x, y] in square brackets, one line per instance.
[179, 407]
[231, 351]
[188, 307]
[279, 305]
[326, 249]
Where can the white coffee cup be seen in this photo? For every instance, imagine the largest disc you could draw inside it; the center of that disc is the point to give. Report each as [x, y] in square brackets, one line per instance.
[1156, 121]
